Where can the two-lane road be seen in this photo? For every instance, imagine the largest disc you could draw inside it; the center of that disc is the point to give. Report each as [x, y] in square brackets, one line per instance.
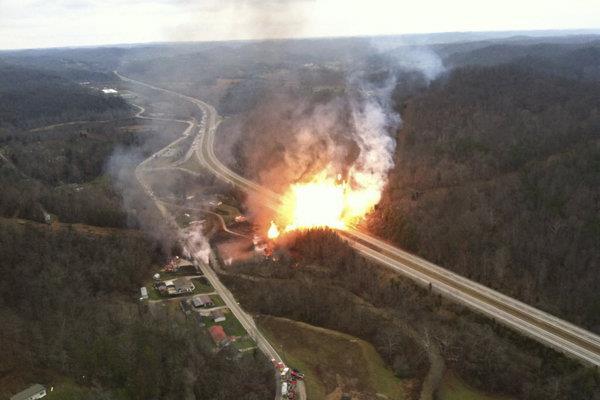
[245, 319]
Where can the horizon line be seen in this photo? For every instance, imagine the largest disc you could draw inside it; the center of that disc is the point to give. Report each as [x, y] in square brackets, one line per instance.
[567, 31]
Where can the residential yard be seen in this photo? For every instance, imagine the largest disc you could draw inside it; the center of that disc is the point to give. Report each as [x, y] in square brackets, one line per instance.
[453, 388]
[201, 286]
[231, 325]
[245, 343]
[332, 362]
[153, 293]
[217, 300]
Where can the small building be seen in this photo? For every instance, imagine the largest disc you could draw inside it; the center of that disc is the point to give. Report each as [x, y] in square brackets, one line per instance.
[161, 287]
[144, 293]
[33, 392]
[202, 300]
[199, 319]
[218, 335]
[185, 307]
[217, 315]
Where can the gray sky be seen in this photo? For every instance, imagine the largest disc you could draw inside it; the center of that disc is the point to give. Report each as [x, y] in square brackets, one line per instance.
[49, 23]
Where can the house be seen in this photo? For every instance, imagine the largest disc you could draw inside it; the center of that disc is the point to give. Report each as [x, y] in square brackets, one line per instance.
[218, 335]
[217, 315]
[183, 285]
[33, 392]
[144, 293]
[178, 286]
[202, 300]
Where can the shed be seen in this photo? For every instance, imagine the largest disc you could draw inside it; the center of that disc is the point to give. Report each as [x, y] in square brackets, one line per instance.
[33, 392]
[217, 315]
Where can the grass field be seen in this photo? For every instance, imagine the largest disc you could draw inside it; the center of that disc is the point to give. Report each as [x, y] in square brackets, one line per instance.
[455, 389]
[201, 285]
[67, 391]
[333, 362]
[245, 343]
[217, 300]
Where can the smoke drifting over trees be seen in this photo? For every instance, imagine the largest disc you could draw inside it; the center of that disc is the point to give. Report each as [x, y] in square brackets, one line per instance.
[344, 125]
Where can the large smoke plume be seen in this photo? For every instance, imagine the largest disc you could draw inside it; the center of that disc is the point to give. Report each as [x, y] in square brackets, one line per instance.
[347, 129]
[344, 124]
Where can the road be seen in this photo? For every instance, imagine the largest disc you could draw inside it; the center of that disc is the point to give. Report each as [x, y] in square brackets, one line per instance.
[539, 325]
[245, 319]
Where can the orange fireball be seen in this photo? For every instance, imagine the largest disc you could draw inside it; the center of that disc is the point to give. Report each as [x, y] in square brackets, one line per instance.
[328, 201]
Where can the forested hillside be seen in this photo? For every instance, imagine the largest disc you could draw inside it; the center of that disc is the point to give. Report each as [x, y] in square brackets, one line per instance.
[72, 260]
[570, 60]
[68, 306]
[320, 280]
[31, 97]
[497, 177]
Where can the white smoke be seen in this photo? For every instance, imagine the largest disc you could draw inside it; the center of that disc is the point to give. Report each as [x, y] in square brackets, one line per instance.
[375, 123]
[410, 57]
[421, 59]
[194, 244]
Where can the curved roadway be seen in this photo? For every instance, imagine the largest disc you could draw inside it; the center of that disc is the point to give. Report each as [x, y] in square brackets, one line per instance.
[245, 319]
[539, 325]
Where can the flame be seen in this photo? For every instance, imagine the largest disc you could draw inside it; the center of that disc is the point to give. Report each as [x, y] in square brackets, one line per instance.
[273, 231]
[328, 201]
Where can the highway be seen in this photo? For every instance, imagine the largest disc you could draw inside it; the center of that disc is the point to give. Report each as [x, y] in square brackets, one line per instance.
[245, 319]
[539, 325]
[534, 323]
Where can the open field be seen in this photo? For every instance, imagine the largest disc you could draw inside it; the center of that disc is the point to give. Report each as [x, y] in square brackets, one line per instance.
[332, 362]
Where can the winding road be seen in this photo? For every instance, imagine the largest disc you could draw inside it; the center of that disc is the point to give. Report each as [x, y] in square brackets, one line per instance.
[539, 325]
[244, 318]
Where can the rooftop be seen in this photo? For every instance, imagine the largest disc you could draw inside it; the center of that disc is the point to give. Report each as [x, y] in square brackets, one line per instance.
[183, 284]
[27, 393]
[217, 333]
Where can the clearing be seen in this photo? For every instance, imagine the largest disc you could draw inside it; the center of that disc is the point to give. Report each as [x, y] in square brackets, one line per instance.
[332, 362]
